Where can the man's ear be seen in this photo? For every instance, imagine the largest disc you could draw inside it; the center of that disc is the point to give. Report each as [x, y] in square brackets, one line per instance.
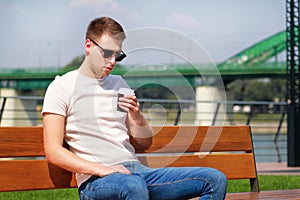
[88, 46]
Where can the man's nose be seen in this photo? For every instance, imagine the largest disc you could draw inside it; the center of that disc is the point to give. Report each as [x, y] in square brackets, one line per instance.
[112, 59]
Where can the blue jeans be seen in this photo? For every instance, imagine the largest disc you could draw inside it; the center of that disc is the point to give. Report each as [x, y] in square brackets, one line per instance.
[156, 183]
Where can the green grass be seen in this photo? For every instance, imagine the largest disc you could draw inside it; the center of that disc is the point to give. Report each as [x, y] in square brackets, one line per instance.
[58, 194]
[265, 182]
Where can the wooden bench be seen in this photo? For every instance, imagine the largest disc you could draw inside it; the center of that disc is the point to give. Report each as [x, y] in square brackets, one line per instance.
[228, 148]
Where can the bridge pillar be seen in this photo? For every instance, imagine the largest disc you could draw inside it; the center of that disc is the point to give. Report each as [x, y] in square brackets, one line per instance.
[210, 106]
[18, 112]
[293, 84]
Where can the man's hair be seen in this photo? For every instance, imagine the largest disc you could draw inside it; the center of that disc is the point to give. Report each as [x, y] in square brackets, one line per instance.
[104, 25]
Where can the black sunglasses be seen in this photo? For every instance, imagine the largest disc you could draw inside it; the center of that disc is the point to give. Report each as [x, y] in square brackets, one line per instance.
[119, 55]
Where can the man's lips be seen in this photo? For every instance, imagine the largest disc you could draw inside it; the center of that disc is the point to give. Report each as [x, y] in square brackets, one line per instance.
[109, 68]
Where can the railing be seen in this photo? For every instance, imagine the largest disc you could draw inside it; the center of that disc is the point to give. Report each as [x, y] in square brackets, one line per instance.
[267, 119]
[20, 110]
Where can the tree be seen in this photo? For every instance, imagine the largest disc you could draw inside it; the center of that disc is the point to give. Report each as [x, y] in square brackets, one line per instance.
[75, 63]
[258, 89]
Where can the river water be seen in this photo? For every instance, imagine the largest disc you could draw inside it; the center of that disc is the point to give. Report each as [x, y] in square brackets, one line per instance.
[266, 150]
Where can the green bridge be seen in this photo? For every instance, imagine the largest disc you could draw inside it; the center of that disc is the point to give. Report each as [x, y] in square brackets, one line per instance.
[253, 62]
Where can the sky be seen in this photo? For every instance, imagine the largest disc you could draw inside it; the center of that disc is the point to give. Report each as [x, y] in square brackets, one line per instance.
[40, 33]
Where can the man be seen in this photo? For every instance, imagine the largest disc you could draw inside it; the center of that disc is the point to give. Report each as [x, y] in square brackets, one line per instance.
[80, 107]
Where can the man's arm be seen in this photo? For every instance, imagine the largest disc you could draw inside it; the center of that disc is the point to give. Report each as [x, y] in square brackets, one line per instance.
[54, 129]
[140, 131]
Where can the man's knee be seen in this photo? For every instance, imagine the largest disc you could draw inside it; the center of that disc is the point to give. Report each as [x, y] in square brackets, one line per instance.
[221, 178]
[218, 177]
[219, 181]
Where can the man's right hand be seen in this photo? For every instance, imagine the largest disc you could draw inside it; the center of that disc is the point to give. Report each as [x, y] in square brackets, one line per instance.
[107, 170]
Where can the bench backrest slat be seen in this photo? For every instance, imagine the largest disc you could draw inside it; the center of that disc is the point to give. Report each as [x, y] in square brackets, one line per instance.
[234, 166]
[177, 139]
[33, 175]
[227, 148]
[21, 141]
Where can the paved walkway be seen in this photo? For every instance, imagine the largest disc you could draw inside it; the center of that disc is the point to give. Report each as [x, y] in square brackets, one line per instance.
[275, 168]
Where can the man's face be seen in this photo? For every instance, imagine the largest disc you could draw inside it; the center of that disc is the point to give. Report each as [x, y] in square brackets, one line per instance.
[102, 61]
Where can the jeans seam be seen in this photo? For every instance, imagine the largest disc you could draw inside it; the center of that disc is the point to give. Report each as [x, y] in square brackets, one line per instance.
[189, 179]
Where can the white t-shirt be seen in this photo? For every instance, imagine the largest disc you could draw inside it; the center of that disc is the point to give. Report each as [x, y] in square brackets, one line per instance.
[95, 130]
